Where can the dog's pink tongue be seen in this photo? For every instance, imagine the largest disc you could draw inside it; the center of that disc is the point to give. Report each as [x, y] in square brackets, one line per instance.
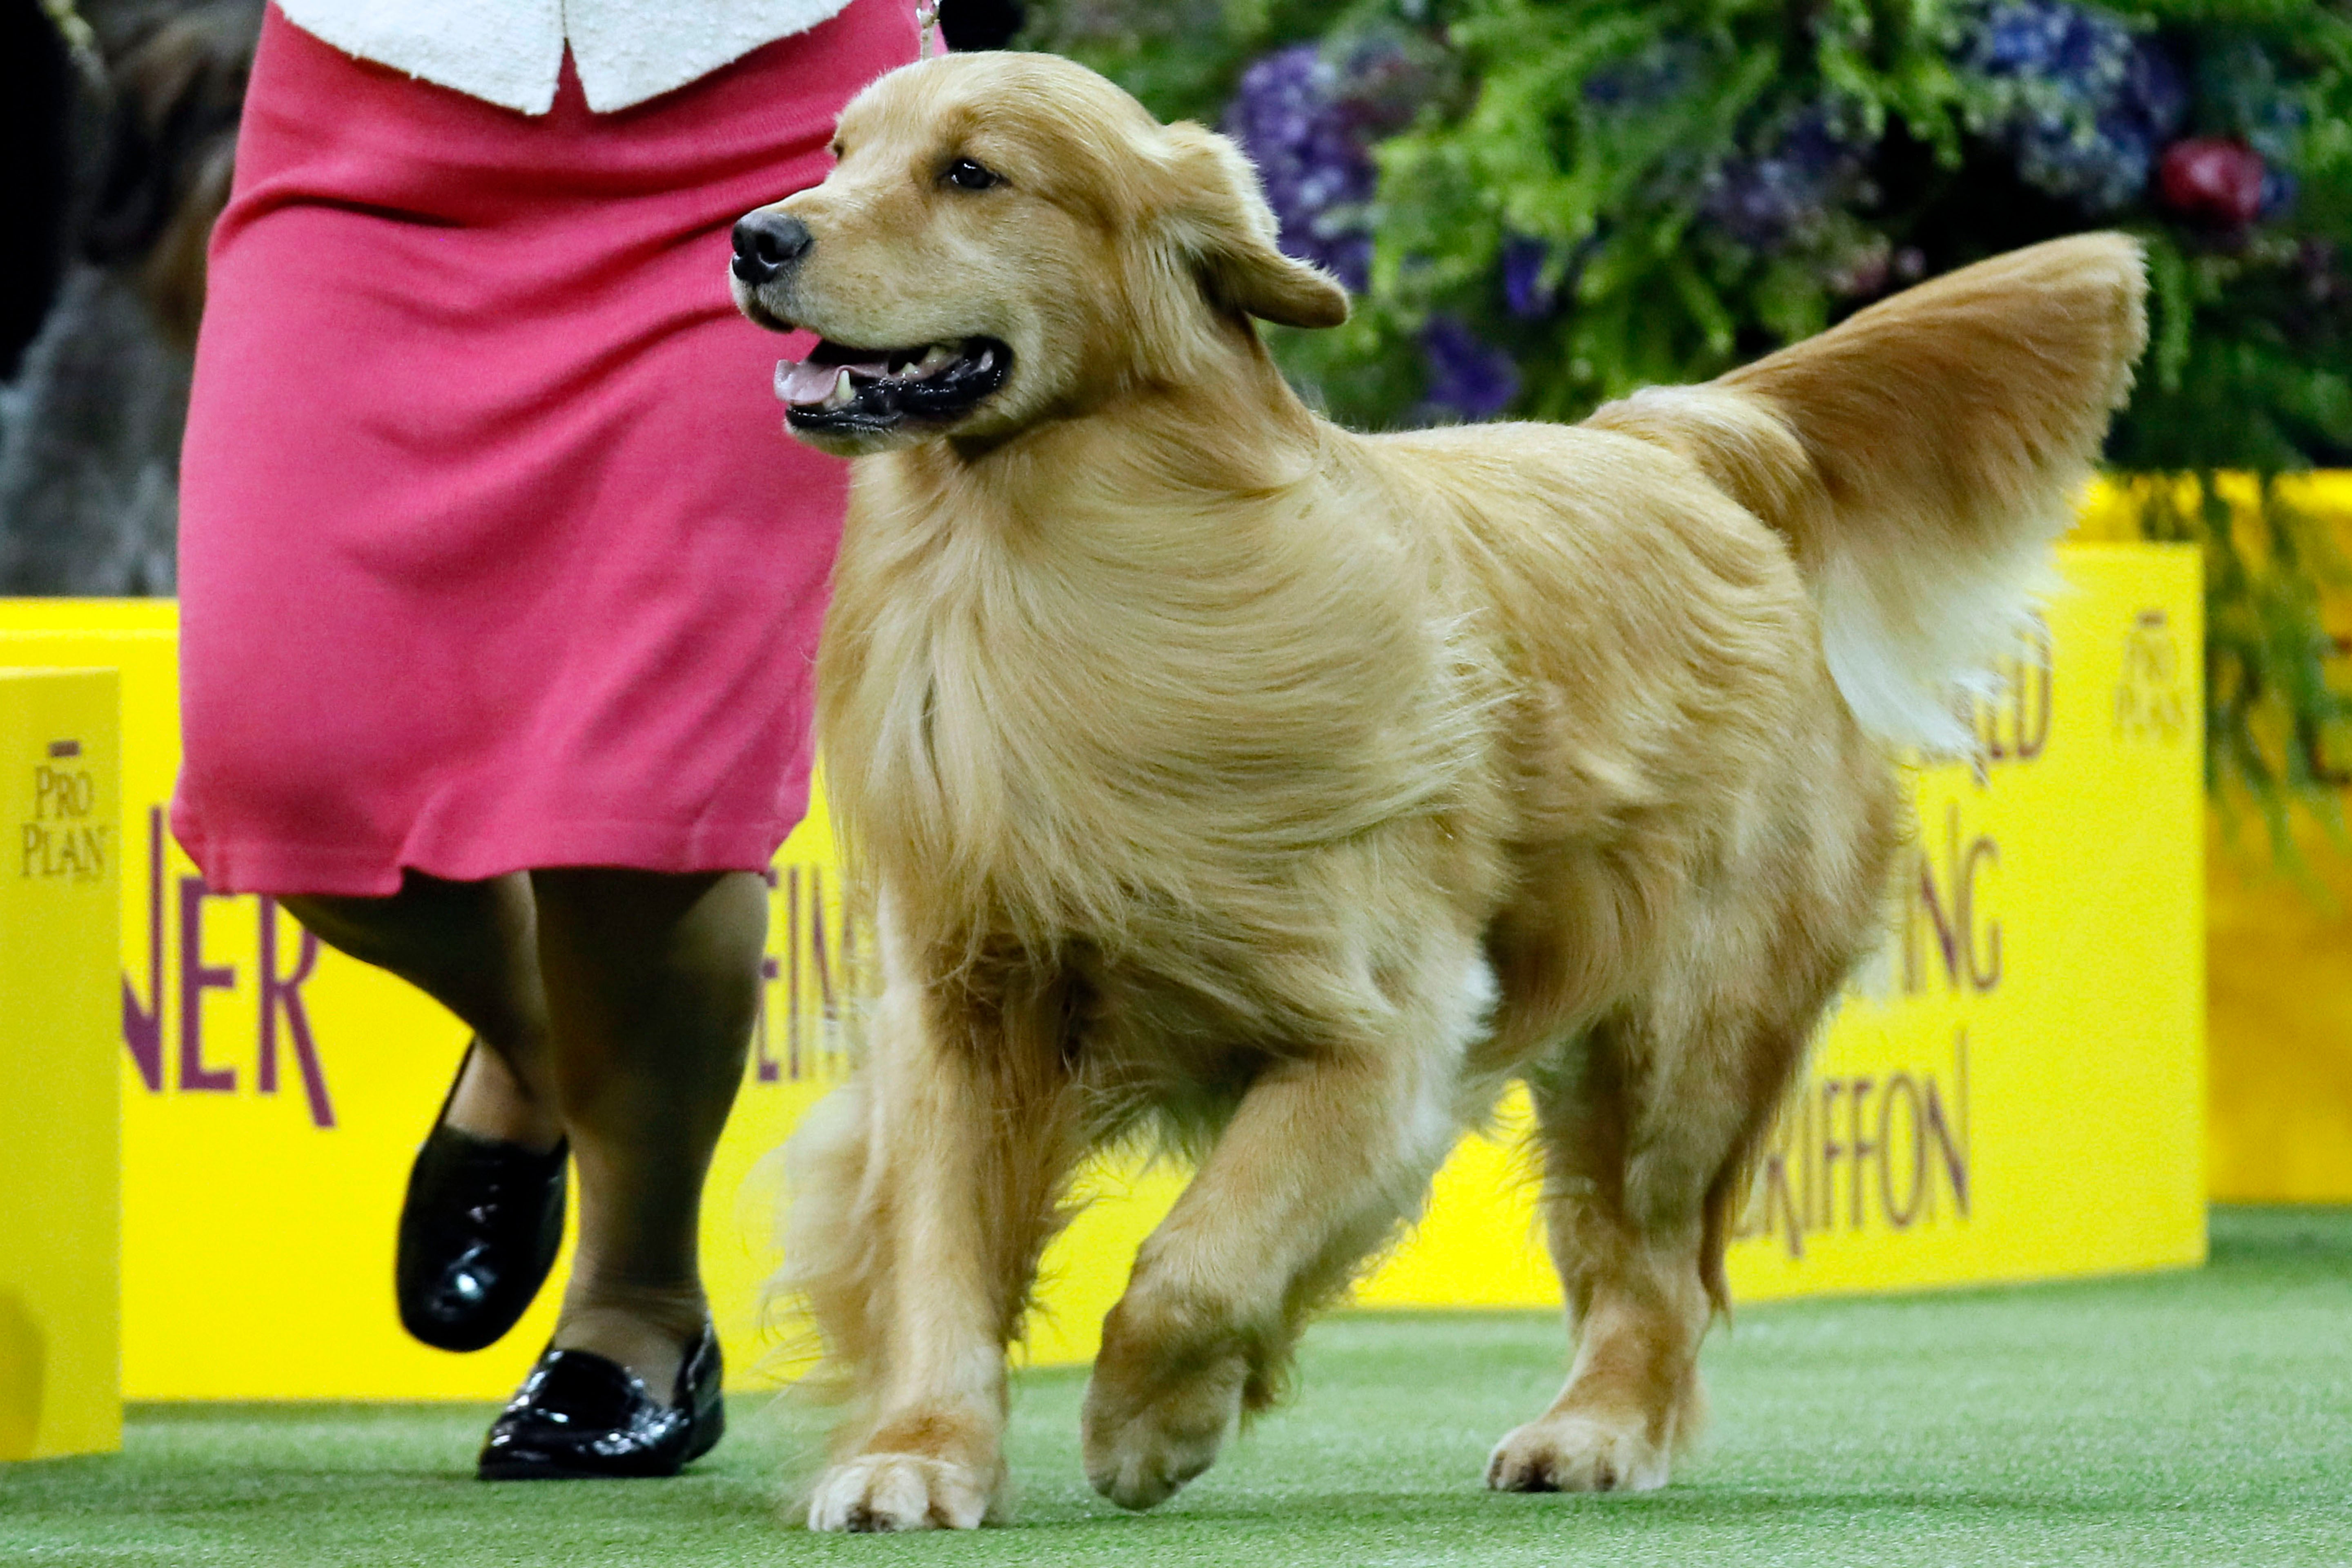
[808, 382]
[802, 382]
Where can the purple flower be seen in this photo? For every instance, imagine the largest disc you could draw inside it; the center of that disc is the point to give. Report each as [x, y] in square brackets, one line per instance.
[2279, 190]
[2036, 39]
[2155, 89]
[1468, 378]
[1290, 117]
[1782, 194]
[2082, 102]
[1525, 292]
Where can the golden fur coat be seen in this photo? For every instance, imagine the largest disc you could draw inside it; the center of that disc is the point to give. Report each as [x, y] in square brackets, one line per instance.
[1289, 791]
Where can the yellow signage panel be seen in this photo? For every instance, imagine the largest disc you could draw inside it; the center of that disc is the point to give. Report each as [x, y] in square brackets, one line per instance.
[61, 1240]
[2015, 1093]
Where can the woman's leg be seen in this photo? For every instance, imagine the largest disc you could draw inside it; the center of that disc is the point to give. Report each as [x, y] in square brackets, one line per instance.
[616, 1007]
[474, 948]
[652, 984]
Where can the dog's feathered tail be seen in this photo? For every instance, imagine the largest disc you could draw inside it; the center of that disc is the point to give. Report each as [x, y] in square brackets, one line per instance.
[1919, 457]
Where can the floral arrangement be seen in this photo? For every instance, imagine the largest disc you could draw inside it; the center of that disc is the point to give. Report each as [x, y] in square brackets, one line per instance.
[1545, 204]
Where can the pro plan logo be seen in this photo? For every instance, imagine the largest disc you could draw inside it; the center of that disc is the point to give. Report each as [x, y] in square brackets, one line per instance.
[62, 841]
[2151, 702]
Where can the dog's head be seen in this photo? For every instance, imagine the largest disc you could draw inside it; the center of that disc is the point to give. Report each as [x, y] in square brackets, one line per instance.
[1006, 237]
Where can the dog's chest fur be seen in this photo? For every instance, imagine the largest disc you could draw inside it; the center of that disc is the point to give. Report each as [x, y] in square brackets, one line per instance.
[1142, 730]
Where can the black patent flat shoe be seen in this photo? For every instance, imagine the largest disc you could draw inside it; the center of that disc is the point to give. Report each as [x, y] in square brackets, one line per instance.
[478, 1234]
[579, 1416]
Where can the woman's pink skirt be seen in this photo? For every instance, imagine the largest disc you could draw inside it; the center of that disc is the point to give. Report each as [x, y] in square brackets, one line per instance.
[493, 551]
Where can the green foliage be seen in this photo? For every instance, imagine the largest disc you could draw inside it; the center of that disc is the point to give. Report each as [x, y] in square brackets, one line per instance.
[2276, 720]
[1181, 58]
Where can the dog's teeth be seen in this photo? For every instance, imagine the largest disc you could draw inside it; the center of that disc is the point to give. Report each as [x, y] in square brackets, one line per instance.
[935, 357]
[987, 358]
[841, 394]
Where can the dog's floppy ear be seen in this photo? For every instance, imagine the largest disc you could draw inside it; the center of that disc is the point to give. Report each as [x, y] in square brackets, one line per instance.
[1217, 216]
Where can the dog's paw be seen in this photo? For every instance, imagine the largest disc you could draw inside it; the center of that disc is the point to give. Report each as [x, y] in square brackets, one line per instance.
[1140, 1451]
[1577, 1454]
[879, 1492]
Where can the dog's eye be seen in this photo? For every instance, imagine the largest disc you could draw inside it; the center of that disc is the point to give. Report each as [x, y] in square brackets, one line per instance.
[970, 175]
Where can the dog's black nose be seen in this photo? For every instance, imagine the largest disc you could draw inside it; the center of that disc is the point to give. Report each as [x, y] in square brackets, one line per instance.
[766, 242]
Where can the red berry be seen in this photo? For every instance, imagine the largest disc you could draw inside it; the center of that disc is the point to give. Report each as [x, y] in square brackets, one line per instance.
[2212, 179]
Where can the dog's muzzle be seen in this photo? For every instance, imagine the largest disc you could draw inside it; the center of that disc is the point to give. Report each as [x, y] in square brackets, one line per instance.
[839, 390]
[767, 242]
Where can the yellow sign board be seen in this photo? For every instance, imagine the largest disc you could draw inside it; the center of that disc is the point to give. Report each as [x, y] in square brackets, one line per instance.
[2278, 943]
[2016, 1094]
[60, 1388]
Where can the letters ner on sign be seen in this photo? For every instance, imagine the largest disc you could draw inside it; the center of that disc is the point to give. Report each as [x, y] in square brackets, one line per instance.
[168, 1012]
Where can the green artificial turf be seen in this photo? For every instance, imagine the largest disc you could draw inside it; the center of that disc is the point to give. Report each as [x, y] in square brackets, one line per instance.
[2182, 1418]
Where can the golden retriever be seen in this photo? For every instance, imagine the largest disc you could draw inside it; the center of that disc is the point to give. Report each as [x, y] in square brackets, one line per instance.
[1220, 776]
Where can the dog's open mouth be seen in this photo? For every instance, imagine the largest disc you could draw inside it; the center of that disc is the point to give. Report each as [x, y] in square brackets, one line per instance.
[839, 388]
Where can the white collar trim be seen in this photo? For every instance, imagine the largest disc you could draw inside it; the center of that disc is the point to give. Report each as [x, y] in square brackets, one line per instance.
[510, 52]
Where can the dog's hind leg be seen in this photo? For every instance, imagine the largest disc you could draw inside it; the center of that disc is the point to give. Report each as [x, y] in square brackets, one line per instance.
[1645, 1127]
[1327, 1152]
[966, 1124]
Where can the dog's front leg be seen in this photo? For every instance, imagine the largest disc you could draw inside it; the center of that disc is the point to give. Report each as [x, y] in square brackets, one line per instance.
[967, 1128]
[1321, 1161]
